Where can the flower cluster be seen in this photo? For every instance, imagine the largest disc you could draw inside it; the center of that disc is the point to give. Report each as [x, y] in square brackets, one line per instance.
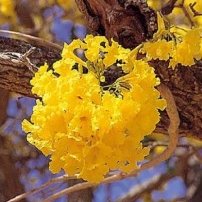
[176, 45]
[87, 125]
[69, 8]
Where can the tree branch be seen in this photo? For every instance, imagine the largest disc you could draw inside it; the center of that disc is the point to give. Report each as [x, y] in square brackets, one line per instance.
[154, 183]
[34, 191]
[173, 132]
[35, 41]
[16, 64]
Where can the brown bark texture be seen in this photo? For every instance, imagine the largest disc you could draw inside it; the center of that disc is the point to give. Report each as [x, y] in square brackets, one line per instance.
[130, 23]
[15, 76]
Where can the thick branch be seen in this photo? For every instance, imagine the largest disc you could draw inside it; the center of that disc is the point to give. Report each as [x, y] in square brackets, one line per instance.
[16, 76]
[132, 22]
[42, 187]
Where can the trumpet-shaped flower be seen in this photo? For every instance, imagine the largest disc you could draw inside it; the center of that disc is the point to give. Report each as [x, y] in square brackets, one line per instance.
[175, 45]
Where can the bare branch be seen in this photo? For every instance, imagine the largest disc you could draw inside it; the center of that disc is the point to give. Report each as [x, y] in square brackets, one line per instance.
[194, 150]
[49, 183]
[186, 13]
[84, 185]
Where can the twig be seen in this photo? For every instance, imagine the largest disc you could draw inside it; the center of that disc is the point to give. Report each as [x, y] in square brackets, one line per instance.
[173, 133]
[49, 183]
[186, 13]
[195, 13]
[85, 185]
[34, 40]
[24, 58]
[172, 130]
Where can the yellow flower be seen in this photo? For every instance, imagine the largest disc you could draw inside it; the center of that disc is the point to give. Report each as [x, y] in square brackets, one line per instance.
[87, 125]
[158, 50]
[93, 47]
[159, 149]
[187, 51]
[7, 8]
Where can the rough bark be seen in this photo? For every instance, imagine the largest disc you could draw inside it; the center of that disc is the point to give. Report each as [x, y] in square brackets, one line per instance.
[15, 77]
[128, 22]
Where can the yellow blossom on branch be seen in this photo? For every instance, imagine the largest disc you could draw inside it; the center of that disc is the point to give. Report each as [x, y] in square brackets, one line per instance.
[87, 124]
[178, 46]
[158, 50]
